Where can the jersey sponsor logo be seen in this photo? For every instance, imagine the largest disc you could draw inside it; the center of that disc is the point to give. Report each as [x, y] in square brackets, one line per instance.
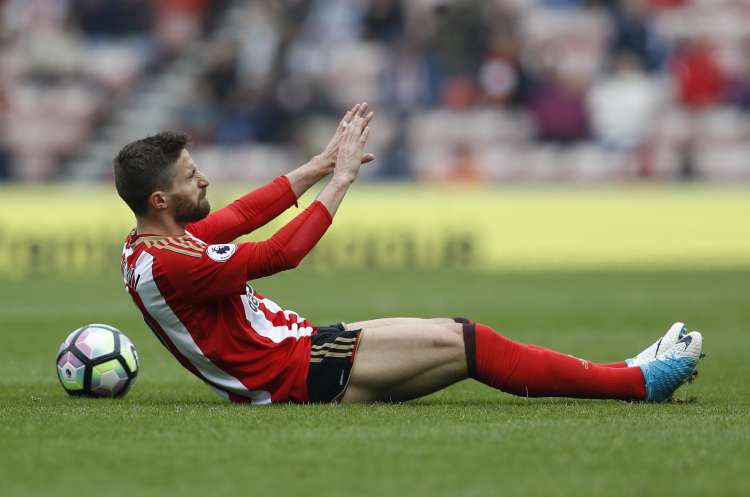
[252, 300]
[221, 252]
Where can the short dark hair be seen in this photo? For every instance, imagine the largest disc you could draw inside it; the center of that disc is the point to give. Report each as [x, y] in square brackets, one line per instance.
[145, 166]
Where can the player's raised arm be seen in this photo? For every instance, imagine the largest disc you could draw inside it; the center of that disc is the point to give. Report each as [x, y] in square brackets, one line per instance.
[320, 166]
[288, 246]
[261, 206]
[210, 277]
[221, 270]
[246, 214]
[348, 161]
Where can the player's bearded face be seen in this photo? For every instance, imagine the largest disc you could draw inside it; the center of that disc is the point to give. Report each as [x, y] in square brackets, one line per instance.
[189, 191]
[188, 209]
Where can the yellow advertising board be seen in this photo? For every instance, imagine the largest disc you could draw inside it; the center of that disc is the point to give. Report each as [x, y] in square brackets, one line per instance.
[80, 229]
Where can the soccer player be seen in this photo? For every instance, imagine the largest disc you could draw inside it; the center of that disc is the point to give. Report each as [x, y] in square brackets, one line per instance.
[190, 282]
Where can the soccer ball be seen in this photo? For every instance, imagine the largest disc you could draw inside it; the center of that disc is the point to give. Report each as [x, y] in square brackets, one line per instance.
[97, 360]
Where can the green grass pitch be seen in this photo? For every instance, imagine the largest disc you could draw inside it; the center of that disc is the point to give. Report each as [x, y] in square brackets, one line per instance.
[678, 252]
[172, 436]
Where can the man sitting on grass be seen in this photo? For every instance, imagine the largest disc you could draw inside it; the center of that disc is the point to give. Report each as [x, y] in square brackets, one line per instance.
[190, 283]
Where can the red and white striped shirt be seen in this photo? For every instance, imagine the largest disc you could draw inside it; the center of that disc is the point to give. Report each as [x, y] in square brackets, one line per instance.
[193, 293]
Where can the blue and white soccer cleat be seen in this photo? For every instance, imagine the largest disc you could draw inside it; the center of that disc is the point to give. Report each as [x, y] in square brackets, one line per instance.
[673, 334]
[670, 370]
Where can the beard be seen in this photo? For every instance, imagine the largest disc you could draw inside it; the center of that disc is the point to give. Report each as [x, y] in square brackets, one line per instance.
[187, 211]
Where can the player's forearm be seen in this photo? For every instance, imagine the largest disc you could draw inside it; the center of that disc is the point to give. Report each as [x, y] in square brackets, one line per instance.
[306, 175]
[348, 160]
[288, 246]
[247, 213]
[334, 192]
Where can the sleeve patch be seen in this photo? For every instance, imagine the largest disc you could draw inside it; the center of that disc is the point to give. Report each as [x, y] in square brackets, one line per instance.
[221, 252]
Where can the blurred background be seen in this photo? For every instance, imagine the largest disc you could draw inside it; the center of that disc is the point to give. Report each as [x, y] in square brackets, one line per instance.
[466, 91]
[540, 134]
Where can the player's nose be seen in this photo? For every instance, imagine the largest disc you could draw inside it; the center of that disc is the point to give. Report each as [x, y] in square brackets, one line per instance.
[203, 180]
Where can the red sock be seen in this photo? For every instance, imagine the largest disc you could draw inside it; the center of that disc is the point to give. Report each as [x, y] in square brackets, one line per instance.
[537, 372]
[618, 364]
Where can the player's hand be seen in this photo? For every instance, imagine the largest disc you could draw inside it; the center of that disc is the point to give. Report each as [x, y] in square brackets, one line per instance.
[328, 158]
[355, 133]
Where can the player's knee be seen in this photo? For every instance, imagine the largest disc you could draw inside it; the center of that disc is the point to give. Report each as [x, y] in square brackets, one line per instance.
[449, 335]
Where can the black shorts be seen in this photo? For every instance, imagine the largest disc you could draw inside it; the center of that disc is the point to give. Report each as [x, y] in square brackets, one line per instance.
[331, 361]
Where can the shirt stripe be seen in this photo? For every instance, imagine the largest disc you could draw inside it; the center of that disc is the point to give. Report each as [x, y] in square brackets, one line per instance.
[262, 323]
[179, 336]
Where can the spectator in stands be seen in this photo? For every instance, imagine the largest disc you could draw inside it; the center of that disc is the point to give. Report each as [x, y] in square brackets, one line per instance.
[701, 81]
[384, 20]
[739, 85]
[410, 79]
[5, 153]
[623, 103]
[633, 32]
[459, 43]
[463, 166]
[112, 18]
[503, 79]
[221, 75]
[5, 163]
[558, 107]
[200, 118]
[176, 22]
[395, 160]
[254, 117]
[52, 51]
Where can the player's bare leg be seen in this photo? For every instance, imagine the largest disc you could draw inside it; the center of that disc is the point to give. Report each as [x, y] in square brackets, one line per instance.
[406, 360]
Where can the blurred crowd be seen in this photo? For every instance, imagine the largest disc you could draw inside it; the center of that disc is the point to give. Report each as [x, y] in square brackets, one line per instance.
[466, 90]
[64, 64]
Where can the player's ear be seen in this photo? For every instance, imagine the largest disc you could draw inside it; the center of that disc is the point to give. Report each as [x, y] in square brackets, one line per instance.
[158, 200]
